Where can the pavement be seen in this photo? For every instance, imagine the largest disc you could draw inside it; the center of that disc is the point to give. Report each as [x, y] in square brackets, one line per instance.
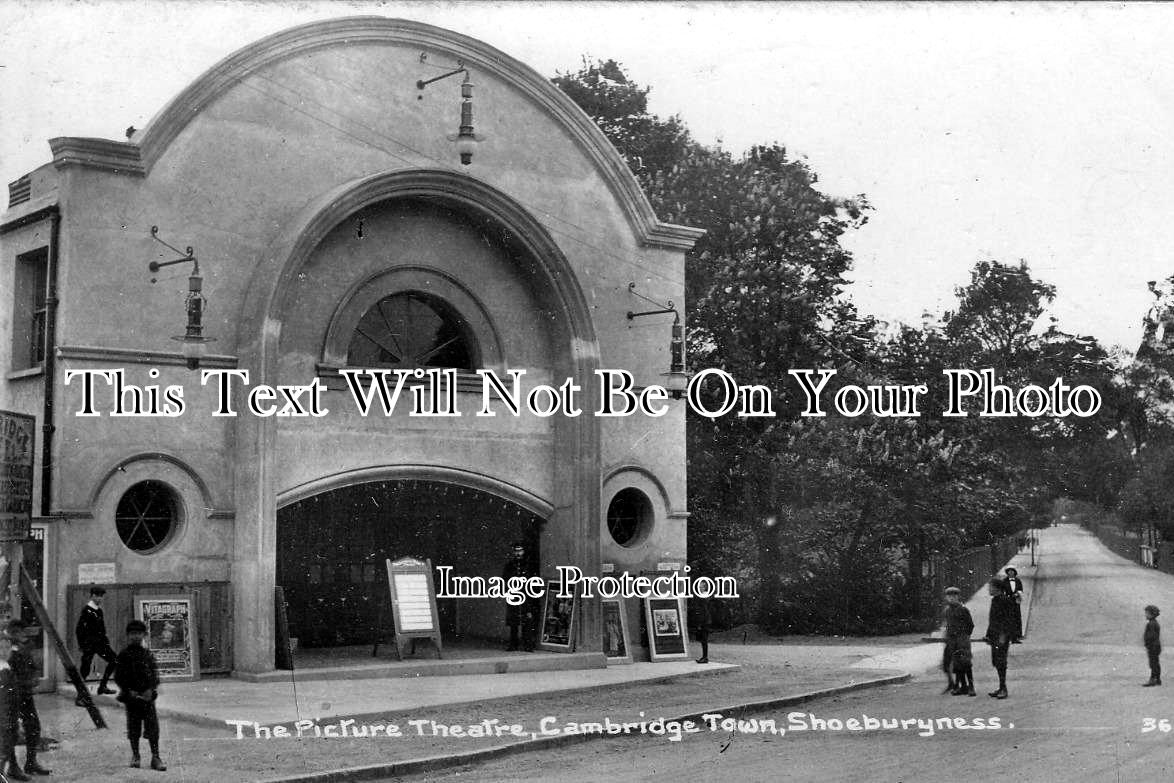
[221, 729]
[1077, 710]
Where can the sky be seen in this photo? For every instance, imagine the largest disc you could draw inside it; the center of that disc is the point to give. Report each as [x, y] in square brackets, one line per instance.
[978, 131]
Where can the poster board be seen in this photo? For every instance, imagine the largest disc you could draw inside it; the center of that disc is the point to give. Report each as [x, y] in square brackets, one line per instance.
[17, 442]
[171, 634]
[617, 643]
[413, 603]
[556, 632]
[667, 640]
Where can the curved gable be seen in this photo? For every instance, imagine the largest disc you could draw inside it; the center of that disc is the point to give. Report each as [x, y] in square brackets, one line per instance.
[137, 157]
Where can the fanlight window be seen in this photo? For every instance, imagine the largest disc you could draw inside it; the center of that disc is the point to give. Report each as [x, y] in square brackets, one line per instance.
[412, 329]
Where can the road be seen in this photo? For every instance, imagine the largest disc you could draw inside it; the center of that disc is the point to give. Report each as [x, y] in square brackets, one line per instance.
[1077, 711]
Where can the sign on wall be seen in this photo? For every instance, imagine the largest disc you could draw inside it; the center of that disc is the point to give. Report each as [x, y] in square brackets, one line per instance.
[171, 634]
[17, 440]
[96, 573]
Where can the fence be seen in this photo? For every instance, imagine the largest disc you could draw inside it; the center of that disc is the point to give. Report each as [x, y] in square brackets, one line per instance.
[1133, 547]
[213, 616]
[968, 571]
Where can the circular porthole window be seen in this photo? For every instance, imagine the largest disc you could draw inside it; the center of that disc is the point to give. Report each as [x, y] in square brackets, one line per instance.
[147, 516]
[629, 517]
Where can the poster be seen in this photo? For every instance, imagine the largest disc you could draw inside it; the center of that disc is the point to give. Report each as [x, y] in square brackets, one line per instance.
[171, 635]
[667, 633]
[976, 132]
[616, 640]
[557, 625]
[17, 439]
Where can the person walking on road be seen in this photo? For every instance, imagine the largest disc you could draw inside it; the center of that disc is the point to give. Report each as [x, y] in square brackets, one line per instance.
[1015, 588]
[92, 640]
[1153, 644]
[1000, 631]
[956, 658]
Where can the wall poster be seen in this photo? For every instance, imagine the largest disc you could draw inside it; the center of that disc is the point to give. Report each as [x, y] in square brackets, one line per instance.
[171, 634]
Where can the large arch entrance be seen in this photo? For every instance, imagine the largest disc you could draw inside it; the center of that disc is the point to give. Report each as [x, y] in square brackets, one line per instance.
[332, 547]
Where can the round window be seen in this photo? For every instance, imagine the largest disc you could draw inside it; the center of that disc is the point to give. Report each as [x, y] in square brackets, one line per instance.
[629, 516]
[146, 516]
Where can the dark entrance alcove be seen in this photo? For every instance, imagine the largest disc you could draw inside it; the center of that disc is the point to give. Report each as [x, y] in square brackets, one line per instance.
[332, 548]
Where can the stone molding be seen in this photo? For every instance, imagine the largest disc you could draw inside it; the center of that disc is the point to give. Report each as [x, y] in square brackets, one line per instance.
[485, 483]
[137, 157]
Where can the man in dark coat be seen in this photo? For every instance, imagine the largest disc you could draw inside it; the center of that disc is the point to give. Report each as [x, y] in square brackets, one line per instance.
[92, 639]
[1152, 639]
[702, 619]
[519, 617]
[1015, 588]
[138, 678]
[8, 715]
[1000, 631]
[24, 677]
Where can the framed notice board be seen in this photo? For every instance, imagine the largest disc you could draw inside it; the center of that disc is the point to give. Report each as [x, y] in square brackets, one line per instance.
[557, 632]
[666, 628]
[617, 645]
[413, 603]
[171, 634]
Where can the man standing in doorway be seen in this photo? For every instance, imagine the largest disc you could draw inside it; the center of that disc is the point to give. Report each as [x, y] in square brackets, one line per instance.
[519, 617]
[92, 640]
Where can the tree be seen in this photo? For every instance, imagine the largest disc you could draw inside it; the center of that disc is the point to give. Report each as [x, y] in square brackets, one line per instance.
[762, 286]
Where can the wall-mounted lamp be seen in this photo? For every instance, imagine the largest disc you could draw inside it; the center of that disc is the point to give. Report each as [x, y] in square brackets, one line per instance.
[466, 140]
[677, 378]
[194, 342]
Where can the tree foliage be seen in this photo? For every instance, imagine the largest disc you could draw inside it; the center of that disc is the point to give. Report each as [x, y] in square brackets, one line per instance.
[823, 520]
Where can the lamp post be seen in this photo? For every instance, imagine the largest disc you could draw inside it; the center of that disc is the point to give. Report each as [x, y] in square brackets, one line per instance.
[194, 343]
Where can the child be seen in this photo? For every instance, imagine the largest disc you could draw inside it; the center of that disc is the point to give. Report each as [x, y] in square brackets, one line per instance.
[8, 715]
[24, 676]
[136, 674]
[1153, 644]
[956, 659]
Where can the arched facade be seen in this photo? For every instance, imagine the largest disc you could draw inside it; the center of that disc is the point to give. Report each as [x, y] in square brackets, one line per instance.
[317, 186]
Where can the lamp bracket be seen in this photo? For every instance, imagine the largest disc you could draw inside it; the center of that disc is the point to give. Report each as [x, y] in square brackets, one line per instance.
[667, 307]
[188, 255]
[422, 83]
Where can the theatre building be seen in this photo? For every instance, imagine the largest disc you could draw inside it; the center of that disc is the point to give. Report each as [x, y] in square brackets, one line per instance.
[345, 208]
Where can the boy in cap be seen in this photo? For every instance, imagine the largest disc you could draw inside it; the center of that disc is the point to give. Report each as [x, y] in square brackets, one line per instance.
[24, 680]
[138, 677]
[1153, 644]
[92, 639]
[956, 658]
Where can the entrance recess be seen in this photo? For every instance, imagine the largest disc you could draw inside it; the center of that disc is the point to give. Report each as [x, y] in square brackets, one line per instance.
[331, 549]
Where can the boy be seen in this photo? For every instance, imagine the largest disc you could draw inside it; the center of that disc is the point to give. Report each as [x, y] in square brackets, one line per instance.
[138, 678]
[92, 640]
[1152, 638]
[8, 715]
[1000, 631]
[956, 657]
[24, 676]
